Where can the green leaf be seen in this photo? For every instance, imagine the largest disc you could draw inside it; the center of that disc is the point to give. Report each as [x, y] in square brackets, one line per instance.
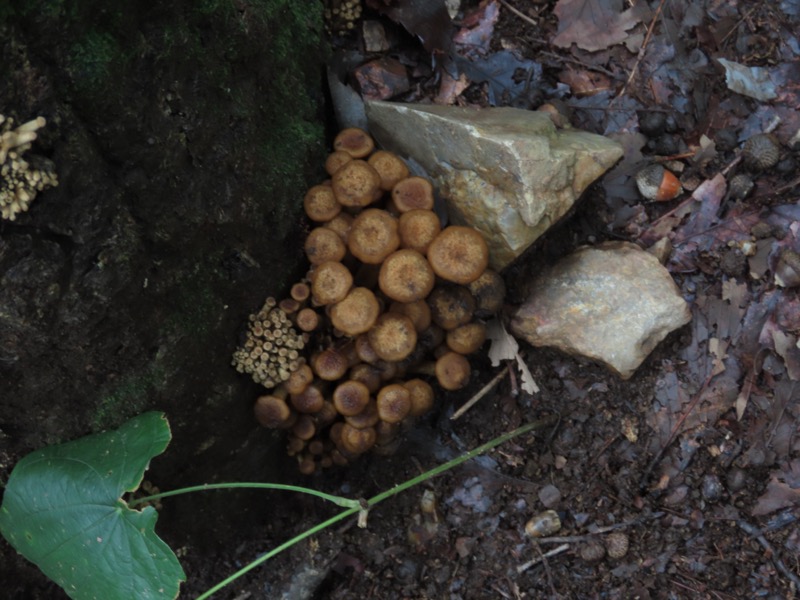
[63, 510]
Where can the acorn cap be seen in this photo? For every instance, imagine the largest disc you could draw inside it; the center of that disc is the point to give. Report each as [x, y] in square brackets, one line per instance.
[406, 276]
[761, 152]
[458, 254]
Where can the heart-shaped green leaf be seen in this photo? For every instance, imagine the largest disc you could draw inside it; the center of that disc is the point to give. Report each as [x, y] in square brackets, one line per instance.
[63, 510]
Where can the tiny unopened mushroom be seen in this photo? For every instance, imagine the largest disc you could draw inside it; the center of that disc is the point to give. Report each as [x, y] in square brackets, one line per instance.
[323, 245]
[350, 397]
[418, 228]
[354, 141]
[452, 371]
[357, 313]
[451, 306]
[393, 336]
[300, 292]
[466, 339]
[389, 166]
[330, 282]
[413, 193]
[405, 276]
[356, 184]
[489, 291]
[421, 396]
[320, 204]
[304, 428]
[373, 236]
[394, 403]
[458, 254]
[307, 319]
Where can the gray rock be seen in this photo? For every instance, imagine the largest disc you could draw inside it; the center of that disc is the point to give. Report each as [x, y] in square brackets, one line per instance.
[613, 303]
[507, 172]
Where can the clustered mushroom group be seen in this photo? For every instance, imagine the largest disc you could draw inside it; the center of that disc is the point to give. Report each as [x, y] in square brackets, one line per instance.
[392, 303]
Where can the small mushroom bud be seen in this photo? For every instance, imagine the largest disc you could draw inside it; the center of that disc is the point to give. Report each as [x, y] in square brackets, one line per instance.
[309, 401]
[330, 364]
[389, 166]
[330, 282]
[272, 411]
[657, 184]
[356, 184]
[304, 428]
[413, 193]
[336, 159]
[299, 380]
[451, 306]
[366, 418]
[393, 336]
[394, 403]
[357, 313]
[350, 397]
[544, 524]
[373, 236]
[452, 371]
[467, 338]
[300, 292]
[307, 319]
[418, 228]
[421, 395]
[368, 375]
[458, 254]
[405, 276]
[320, 204]
[355, 440]
[356, 142]
[761, 152]
[324, 245]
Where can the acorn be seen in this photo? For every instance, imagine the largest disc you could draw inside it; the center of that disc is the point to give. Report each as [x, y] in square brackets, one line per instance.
[657, 184]
[740, 186]
[761, 152]
[617, 544]
[544, 524]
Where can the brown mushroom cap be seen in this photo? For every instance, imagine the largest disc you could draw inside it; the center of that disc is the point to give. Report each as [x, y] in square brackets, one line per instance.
[323, 245]
[421, 394]
[336, 159]
[452, 371]
[356, 184]
[393, 336]
[389, 166]
[300, 291]
[320, 204]
[330, 364]
[357, 313]
[451, 306]
[299, 380]
[459, 254]
[272, 411]
[394, 403]
[307, 319]
[366, 418]
[406, 276]
[309, 401]
[489, 291]
[364, 350]
[413, 193]
[350, 397]
[330, 282]
[304, 428]
[373, 236]
[368, 375]
[466, 339]
[355, 440]
[341, 224]
[356, 142]
[418, 228]
[419, 312]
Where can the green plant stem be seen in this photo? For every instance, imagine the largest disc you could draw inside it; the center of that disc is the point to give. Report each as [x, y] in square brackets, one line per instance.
[337, 500]
[540, 424]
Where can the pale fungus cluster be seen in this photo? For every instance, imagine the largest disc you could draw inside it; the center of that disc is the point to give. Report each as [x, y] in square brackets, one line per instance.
[389, 310]
[341, 16]
[21, 179]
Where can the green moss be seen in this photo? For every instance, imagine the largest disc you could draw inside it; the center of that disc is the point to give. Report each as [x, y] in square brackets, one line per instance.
[128, 397]
[92, 59]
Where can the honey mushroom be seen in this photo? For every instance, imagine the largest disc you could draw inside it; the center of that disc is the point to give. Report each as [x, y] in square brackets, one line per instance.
[373, 236]
[419, 312]
[466, 339]
[330, 364]
[405, 276]
[350, 398]
[272, 411]
[336, 159]
[390, 168]
[452, 371]
[299, 380]
[355, 184]
[354, 141]
[341, 224]
[356, 441]
[417, 229]
[394, 403]
[451, 306]
[330, 282]
[489, 291]
[368, 375]
[458, 254]
[393, 336]
[320, 204]
[309, 401]
[356, 313]
[324, 245]
[366, 418]
[413, 193]
[307, 319]
[421, 396]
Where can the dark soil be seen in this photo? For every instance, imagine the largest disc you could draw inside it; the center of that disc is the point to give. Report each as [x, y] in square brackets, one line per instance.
[705, 498]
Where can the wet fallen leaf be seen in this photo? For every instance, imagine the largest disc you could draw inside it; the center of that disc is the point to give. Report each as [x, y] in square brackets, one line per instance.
[782, 490]
[595, 24]
[505, 347]
[748, 81]
[426, 19]
[476, 30]
[507, 76]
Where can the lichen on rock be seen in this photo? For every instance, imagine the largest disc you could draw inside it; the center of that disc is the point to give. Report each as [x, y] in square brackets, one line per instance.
[20, 179]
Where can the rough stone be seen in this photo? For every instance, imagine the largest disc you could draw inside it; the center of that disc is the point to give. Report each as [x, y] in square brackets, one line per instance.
[612, 303]
[507, 172]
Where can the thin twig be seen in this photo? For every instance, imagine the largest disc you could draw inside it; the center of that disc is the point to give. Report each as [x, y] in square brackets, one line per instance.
[776, 559]
[580, 63]
[569, 539]
[521, 15]
[483, 391]
[535, 561]
[641, 51]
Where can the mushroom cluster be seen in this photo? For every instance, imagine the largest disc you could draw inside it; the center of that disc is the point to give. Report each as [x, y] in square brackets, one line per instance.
[391, 306]
[20, 179]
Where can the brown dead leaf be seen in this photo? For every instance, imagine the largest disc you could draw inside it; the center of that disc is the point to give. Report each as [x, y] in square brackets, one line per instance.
[583, 82]
[782, 490]
[595, 24]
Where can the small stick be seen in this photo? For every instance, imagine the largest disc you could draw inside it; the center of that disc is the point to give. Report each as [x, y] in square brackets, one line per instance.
[521, 15]
[483, 391]
[776, 560]
[535, 561]
[568, 539]
[641, 51]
